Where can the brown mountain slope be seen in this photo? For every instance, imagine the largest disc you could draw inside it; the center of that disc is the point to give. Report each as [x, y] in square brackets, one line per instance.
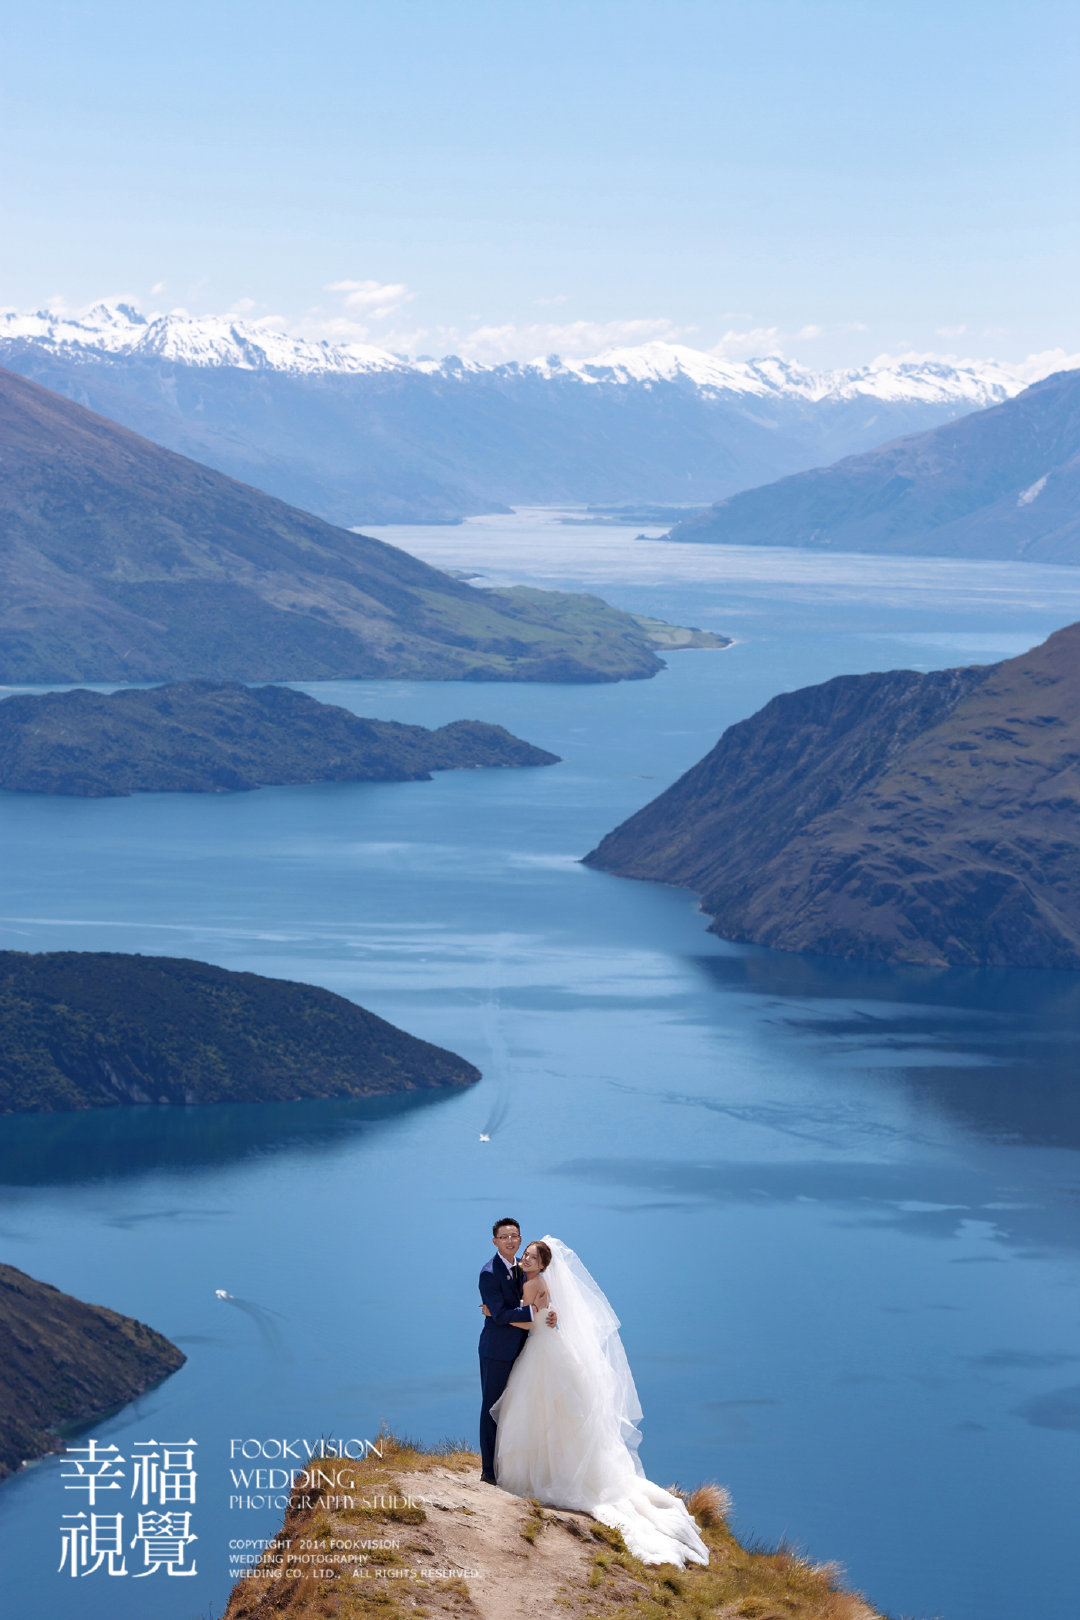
[895, 817]
[62, 1361]
[121, 561]
[1004, 482]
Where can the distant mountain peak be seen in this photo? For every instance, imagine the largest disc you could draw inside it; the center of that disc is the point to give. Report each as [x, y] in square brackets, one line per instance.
[114, 313]
[119, 328]
[361, 435]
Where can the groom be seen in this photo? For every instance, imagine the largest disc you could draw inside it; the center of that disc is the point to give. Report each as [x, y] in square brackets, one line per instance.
[501, 1282]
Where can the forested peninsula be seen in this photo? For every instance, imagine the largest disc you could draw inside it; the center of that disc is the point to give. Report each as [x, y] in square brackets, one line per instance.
[122, 561]
[99, 1029]
[214, 737]
[65, 1362]
[897, 817]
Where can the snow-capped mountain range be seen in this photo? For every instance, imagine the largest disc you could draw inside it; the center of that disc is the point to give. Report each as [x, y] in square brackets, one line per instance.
[219, 340]
[360, 435]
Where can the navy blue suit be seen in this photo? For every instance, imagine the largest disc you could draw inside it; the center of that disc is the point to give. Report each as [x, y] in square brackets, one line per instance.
[500, 1345]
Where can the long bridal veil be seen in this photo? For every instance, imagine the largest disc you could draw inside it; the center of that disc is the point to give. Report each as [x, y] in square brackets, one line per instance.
[590, 1330]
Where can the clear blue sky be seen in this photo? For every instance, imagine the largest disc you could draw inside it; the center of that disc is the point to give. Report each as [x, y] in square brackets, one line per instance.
[559, 173]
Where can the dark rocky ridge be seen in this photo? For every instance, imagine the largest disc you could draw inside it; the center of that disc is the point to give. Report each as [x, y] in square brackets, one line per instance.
[98, 1029]
[64, 1362]
[207, 737]
[896, 817]
[121, 561]
[1003, 482]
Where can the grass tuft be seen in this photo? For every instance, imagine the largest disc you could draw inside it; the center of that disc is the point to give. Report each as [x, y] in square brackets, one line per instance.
[709, 1504]
[534, 1523]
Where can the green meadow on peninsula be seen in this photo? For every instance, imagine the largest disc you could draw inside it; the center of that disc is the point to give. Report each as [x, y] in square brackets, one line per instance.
[122, 561]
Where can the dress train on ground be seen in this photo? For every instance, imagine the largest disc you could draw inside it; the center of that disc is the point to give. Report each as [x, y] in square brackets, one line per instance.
[567, 1424]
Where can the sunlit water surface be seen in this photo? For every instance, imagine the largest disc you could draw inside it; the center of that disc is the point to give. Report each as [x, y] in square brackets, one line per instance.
[836, 1206]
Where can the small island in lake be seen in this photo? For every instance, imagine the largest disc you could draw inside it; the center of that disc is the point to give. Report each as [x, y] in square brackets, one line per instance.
[63, 1362]
[898, 817]
[99, 1029]
[221, 736]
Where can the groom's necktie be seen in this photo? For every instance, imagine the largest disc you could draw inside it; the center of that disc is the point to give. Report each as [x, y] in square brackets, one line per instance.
[517, 1274]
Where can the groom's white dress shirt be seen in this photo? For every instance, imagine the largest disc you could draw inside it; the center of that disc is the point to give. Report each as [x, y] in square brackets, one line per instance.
[510, 1273]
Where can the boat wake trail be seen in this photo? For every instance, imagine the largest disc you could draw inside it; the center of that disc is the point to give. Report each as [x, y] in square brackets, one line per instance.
[265, 1320]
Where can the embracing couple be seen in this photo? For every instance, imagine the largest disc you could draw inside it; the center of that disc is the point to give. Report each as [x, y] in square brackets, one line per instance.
[559, 1415]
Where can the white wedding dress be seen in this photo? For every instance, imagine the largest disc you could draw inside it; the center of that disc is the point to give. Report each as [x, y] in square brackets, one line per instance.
[567, 1423]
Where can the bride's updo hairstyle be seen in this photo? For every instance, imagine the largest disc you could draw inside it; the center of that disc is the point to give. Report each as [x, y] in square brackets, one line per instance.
[543, 1251]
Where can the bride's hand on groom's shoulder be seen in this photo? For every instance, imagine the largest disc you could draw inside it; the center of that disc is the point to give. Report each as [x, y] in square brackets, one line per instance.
[484, 1311]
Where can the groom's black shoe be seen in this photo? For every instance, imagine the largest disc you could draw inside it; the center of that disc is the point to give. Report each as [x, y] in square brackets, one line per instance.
[488, 1479]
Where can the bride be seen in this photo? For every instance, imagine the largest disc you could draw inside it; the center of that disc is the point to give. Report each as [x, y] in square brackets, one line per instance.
[567, 1419]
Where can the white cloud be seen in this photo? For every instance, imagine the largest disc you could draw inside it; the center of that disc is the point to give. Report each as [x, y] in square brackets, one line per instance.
[906, 355]
[1027, 371]
[751, 344]
[418, 341]
[949, 331]
[761, 342]
[158, 287]
[375, 299]
[574, 340]
[491, 343]
[1044, 364]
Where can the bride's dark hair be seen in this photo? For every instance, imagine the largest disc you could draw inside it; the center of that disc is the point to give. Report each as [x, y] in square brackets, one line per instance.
[542, 1250]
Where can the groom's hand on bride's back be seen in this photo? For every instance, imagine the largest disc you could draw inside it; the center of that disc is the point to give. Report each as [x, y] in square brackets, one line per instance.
[552, 1316]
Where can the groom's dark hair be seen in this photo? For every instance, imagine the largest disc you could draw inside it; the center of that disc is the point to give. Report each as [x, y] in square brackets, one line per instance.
[507, 1220]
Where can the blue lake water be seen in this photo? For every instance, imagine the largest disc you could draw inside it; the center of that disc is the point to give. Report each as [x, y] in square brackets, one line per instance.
[836, 1206]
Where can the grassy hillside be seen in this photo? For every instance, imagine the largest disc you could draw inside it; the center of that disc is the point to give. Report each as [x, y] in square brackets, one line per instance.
[414, 1533]
[122, 561]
